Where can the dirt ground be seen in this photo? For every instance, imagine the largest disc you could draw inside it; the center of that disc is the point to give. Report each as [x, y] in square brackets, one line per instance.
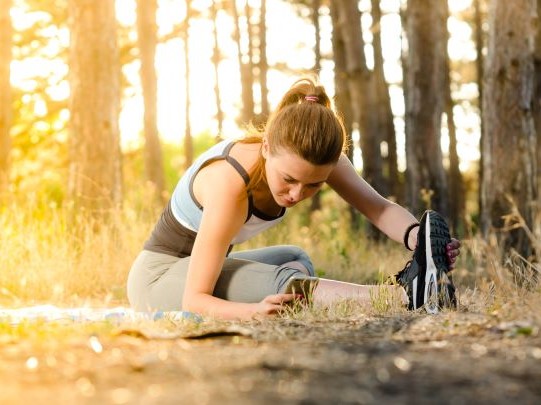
[451, 358]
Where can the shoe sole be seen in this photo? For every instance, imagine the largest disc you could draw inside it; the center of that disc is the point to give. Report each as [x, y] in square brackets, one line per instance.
[436, 239]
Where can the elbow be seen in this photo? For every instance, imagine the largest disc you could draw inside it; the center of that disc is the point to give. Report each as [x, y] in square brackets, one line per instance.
[189, 303]
[194, 303]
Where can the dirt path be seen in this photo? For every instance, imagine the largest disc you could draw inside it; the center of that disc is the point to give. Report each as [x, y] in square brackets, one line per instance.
[444, 359]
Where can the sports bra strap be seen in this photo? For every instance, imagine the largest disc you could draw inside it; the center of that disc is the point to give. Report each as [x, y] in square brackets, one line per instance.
[237, 166]
[245, 176]
[235, 163]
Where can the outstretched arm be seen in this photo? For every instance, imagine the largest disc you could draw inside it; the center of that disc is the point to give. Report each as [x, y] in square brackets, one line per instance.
[389, 217]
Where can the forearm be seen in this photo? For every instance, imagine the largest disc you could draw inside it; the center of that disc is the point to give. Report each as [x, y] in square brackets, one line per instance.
[394, 220]
[390, 218]
[214, 307]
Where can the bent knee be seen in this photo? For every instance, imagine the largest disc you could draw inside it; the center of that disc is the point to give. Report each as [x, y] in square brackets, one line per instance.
[297, 265]
[304, 260]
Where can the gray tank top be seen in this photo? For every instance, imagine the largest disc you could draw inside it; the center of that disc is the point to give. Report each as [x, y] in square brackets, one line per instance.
[177, 227]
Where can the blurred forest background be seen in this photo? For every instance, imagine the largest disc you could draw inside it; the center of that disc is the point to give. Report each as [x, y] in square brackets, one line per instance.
[104, 103]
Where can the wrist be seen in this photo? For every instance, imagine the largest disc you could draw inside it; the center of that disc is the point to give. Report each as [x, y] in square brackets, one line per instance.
[407, 233]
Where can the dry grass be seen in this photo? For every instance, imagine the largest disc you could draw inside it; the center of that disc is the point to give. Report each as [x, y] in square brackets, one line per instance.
[45, 261]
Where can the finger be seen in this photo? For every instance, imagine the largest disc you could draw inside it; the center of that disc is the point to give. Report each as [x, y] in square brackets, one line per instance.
[451, 261]
[453, 244]
[281, 298]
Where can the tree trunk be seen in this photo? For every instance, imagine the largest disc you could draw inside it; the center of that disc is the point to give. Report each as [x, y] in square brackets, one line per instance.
[5, 93]
[385, 119]
[537, 114]
[315, 204]
[479, 62]
[509, 139]
[146, 34]
[350, 73]
[342, 93]
[188, 142]
[263, 64]
[426, 178]
[341, 88]
[457, 199]
[216, 58]
[361, 83]
[95, 160]
[245, 66]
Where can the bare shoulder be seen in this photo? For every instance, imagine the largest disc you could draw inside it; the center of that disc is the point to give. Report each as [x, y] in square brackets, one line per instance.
[218, 180]
[246, 154]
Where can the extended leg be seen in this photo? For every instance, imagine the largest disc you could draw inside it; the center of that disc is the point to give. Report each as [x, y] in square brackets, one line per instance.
[330, 291]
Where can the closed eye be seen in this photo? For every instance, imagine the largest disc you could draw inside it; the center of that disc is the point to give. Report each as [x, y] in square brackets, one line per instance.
[314, 185]
[290, 180]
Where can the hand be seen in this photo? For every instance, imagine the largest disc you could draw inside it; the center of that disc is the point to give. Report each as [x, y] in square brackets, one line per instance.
[273, 304]
[453, 250]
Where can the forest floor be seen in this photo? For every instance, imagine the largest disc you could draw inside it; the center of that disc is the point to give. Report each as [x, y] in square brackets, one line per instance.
[459, 357]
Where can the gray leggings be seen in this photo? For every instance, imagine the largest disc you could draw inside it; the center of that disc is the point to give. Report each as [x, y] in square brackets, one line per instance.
[156, 281]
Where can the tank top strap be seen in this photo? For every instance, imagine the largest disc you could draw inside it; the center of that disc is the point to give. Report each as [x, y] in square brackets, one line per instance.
[242, 172]
[235, 163]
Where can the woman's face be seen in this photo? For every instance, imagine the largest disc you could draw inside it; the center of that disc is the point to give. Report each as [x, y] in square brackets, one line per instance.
[292, 179]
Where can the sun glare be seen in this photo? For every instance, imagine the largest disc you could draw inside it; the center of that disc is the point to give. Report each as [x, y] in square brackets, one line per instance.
[294, 51]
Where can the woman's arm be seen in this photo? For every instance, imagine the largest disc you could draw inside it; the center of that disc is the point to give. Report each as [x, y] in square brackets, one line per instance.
[221, 191]
[390, 218]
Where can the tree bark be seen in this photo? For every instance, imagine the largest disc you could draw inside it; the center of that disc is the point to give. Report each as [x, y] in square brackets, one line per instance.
[147, 39]
[5, 94]
[362, 85]
[94, 77]
[509, 139]
[245, 65]
[537, 114]
[216, 58]
[426, 178]
[457, 199]
[188, 141]
[263, 63]
[315, 203]
[342, 89]
[479, 62]
[391, 185]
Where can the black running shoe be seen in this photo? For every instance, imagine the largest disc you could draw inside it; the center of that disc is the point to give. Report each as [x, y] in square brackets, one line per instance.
[425, 278]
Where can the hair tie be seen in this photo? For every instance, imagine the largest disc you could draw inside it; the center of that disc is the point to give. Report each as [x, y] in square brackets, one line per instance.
[312, 97]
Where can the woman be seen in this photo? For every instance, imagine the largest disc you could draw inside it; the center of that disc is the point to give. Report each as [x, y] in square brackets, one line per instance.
[237, 189]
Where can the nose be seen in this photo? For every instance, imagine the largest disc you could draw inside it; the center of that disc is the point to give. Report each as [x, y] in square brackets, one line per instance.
[296, 192]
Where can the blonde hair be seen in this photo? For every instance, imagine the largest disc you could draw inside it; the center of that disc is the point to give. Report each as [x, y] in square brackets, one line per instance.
[303, 123]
